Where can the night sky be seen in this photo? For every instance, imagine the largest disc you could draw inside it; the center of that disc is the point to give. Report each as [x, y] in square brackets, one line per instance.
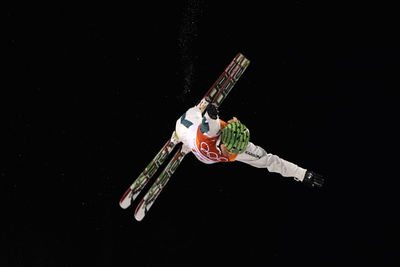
[92, 92]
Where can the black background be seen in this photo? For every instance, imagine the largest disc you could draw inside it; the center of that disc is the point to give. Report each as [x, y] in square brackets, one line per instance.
[92, 92]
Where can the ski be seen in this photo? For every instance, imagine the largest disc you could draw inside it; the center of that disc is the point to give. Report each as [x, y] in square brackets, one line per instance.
[224, 84]
[148, 200]
[137, 186]
[216, 94]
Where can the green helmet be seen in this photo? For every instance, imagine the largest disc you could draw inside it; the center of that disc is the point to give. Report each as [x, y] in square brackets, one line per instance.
[235, 136]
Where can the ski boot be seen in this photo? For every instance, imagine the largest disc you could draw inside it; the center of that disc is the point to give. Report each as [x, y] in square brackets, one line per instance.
[313, 179]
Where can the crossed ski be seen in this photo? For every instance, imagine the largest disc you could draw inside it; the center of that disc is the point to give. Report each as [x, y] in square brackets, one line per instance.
[216, 94]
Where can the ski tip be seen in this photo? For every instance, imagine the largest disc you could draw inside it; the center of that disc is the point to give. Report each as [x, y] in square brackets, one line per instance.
[140, 211]
[125, 201]
[139, 217]
[242, 60]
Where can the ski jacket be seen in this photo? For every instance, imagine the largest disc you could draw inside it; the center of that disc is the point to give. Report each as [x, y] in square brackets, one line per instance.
[207, 150]
[207, 144]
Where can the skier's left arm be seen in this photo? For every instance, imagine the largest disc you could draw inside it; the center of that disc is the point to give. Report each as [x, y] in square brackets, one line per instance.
[256, 156]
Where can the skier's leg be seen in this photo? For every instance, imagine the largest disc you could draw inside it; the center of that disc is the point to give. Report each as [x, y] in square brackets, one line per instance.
[187, 123]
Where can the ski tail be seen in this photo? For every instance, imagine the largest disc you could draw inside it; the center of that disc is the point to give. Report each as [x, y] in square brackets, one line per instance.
[155, 190]
[134, 190]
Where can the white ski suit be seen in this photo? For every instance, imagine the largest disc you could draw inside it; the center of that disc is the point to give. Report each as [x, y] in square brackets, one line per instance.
[202, 136]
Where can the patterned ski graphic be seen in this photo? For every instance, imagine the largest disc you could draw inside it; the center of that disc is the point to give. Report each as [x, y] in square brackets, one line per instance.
[137, 186]
[160, 183]
[224, 84]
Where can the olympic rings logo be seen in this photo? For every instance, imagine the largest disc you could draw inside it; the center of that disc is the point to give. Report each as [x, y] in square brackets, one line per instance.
[205, 149]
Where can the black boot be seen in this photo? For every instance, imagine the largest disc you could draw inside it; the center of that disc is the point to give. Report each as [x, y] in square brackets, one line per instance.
[313, 179]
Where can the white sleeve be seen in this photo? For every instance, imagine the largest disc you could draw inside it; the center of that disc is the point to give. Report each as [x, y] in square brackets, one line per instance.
[257, 157]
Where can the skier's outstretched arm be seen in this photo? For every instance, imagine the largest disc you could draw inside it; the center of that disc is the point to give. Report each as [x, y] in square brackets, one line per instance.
[256, 156]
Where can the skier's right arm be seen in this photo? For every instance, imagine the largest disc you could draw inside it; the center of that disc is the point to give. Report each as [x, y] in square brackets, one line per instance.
[257, 157]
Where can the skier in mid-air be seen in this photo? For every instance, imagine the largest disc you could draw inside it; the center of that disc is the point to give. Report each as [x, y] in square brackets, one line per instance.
[213, 140]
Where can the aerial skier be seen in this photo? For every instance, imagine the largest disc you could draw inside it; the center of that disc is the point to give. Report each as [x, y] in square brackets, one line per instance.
[211, 140]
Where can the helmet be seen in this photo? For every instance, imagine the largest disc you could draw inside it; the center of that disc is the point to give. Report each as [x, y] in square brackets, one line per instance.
[235, 136]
